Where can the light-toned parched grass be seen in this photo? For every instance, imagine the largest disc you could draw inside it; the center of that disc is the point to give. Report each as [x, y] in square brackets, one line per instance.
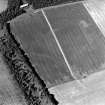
[3, 5]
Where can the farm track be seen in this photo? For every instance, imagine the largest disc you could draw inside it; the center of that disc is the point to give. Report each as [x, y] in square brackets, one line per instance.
[60, 48]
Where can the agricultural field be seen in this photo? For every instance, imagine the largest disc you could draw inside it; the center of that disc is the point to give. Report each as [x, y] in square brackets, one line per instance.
[96, 9]
[72, 93]
[81, 40]
[32, 31]
[67, 49]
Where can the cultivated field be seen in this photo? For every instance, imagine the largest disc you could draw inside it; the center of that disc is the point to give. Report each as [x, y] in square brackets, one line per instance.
[72, 93]
[79, 37]
[96, 9]
[33, 33]
[82, 43]
[81, 40]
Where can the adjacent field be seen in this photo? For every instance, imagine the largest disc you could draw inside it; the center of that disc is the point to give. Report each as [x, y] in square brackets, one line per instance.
[33, 33]
[72, 94]
[96, 9]
[80, 38]
[83, 45]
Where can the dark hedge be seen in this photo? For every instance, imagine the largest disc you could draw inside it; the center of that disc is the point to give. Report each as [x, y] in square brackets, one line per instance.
[13, 10]
[45, 3]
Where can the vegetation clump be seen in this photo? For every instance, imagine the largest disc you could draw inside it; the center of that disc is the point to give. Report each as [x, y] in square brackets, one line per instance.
[13, 10]
[45, 3]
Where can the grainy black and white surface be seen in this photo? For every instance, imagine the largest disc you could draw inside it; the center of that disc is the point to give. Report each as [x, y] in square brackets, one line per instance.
[24, 74]
[3, 5]
[41, 47]
[66, 46]
[83, 44]
[81, 40]
[47, 3]
[10, 93]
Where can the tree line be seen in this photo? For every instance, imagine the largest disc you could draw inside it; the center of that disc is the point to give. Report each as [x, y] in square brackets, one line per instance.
[45, 3]
[13, 10]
